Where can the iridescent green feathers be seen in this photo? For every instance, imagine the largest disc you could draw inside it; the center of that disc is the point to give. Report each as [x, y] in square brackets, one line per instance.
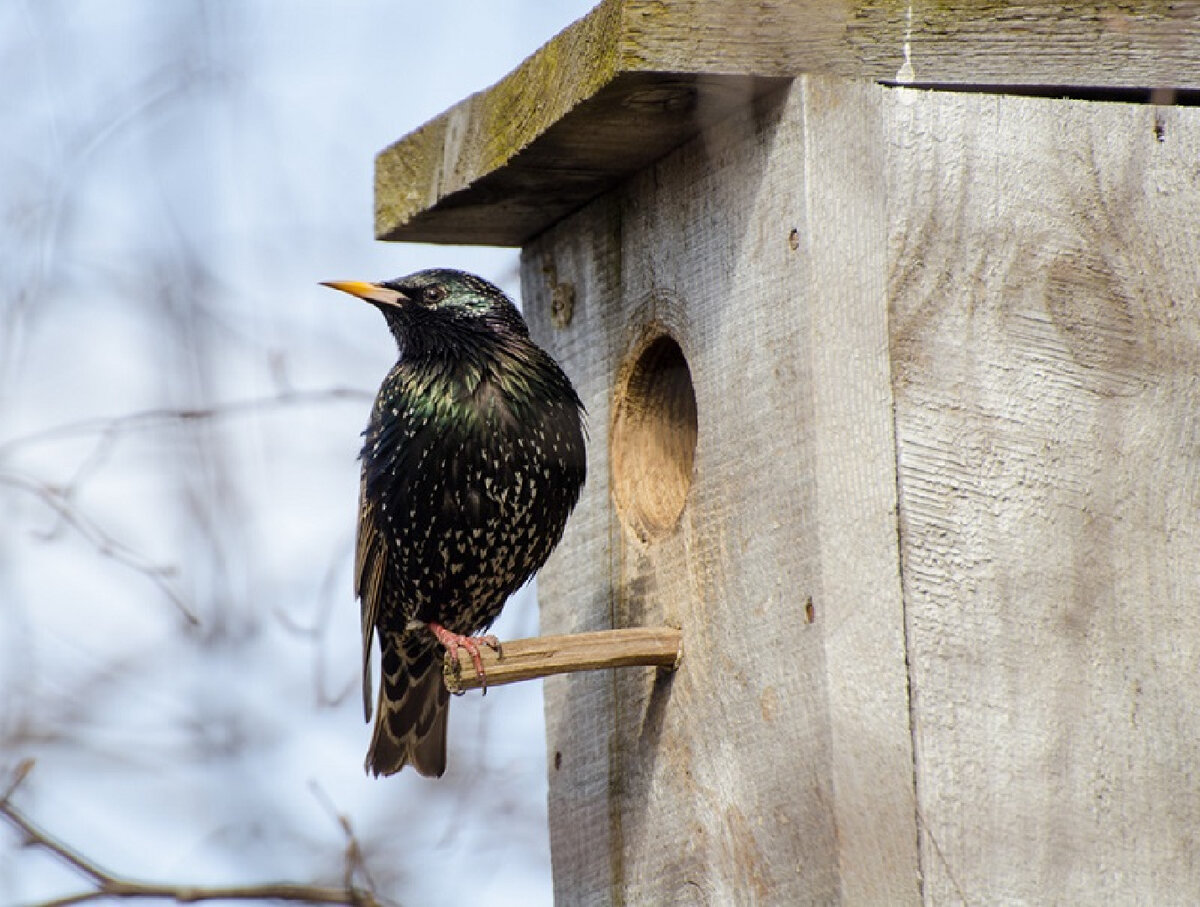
[472, 460]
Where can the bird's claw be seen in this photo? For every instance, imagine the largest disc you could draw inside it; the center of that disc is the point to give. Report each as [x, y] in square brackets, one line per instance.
[454, 641]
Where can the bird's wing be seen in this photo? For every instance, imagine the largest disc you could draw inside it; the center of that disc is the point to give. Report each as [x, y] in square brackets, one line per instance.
[370, 567]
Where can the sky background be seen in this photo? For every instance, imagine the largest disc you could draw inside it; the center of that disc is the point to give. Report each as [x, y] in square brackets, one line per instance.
[180, 409]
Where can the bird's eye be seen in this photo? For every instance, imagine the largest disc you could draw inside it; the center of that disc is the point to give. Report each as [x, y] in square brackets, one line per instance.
[435, 293]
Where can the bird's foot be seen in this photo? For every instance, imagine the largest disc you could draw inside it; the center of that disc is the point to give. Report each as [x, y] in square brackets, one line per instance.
[454, 641]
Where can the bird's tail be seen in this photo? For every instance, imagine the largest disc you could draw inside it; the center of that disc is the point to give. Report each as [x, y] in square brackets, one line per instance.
[410, 723]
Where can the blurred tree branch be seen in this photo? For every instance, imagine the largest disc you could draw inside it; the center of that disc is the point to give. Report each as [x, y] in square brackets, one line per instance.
[154, 418]
[60, 498]
[110, 885]
[355, 863]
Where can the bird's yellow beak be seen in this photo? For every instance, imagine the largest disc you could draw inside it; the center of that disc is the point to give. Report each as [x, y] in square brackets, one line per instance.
[358, 288]
[371, 292]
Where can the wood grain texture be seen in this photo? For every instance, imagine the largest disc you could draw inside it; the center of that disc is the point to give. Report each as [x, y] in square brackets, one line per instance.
[576, 588]
[775, 766]
[854, 467]
[497, 170]
[637, 78]
[1045, 289]
[544, 656]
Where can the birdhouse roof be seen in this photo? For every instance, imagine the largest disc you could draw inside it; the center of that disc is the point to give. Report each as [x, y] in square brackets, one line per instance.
[636, 78]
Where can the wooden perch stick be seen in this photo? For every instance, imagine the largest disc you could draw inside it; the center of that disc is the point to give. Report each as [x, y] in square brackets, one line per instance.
[541, 656]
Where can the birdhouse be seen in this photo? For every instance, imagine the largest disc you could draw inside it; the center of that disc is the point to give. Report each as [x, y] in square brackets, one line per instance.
[887, 321]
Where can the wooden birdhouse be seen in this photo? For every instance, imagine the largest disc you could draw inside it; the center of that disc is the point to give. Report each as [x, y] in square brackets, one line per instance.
[887, 319]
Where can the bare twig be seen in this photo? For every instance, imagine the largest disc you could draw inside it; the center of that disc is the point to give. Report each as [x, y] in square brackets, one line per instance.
[24, 767]
[60, 498]
[109, 885]
[153, 418]
[355, 862]
[541, 656]
[69, 513]
[328, 598]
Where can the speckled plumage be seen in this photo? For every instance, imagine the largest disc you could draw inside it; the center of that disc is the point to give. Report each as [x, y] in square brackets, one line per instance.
[473, 459]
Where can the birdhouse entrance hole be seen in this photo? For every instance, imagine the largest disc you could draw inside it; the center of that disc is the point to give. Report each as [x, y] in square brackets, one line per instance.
[653, 437]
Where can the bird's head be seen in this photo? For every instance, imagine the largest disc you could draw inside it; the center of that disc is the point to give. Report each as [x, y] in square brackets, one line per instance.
[438, 308]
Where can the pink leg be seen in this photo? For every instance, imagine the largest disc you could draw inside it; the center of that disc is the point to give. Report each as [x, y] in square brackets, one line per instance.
[452, 642]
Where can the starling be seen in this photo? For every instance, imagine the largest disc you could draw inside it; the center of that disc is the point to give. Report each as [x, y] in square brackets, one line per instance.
[473, 459]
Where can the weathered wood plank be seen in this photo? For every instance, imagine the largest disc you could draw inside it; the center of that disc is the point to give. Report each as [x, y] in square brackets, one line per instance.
[576, 588]
[636, 78]
[854, 467]
[775, 765]
[1045, 292]
[625, 125]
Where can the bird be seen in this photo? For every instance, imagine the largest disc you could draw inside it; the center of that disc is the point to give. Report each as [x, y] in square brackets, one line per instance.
[472, 460]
